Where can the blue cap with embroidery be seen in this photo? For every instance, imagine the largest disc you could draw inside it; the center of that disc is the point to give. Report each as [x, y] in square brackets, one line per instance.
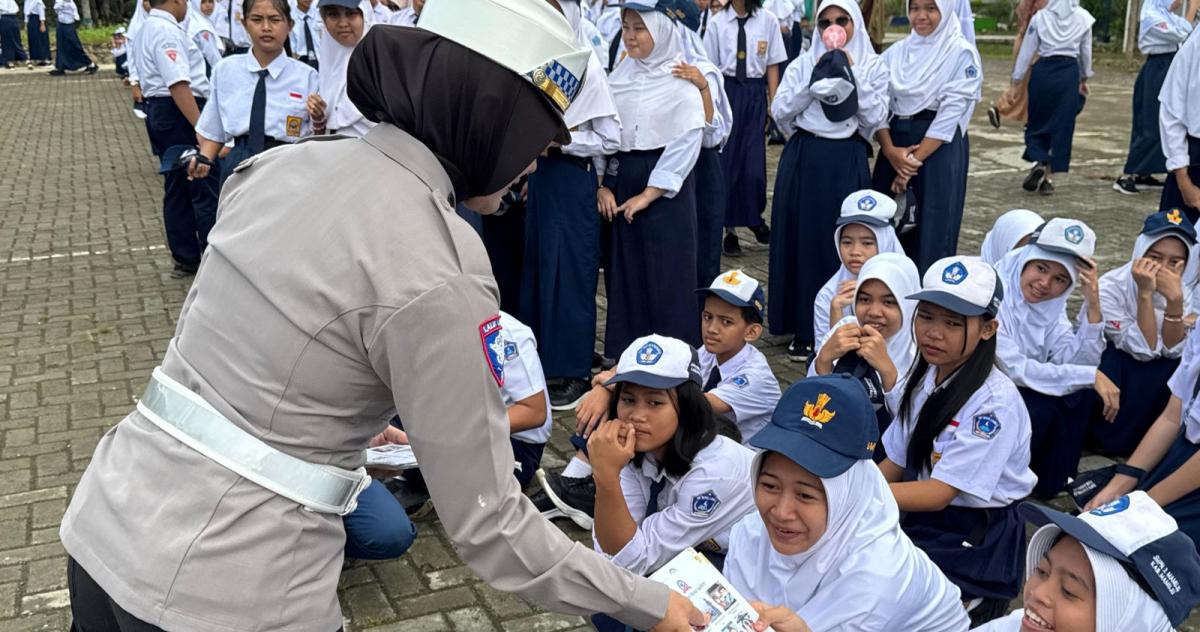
[833, 85]
[684, 11]
[738, 288]
[1172, 221]
[825, 424]
[656, 361]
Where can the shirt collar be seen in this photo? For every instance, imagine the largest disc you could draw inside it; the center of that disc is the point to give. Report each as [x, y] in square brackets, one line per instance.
[275, 68]
[652, 471]
[734, 364]
[164, 15]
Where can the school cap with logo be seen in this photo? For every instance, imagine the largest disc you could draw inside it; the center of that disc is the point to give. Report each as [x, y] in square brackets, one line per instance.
[1172, 221]
[529, 37]
[1066, 236]
[964, 285]
[656, 361]
[684, 11]
[825, 424]
[833, 85]
[867, 207]
[738, 288]
[349, 4]
[1133, 530]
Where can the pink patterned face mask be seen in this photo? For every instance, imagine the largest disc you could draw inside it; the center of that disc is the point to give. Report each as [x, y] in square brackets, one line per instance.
[834, 37]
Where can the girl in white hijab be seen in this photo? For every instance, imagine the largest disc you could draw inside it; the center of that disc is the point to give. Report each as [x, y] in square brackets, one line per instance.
[1061, 36]
[1054, 365]
[823, 161]
[648, 192]
[1011, 230]
[202, 32]
[346, 21]
[1179, 124]
[935, 79]
[825, 546]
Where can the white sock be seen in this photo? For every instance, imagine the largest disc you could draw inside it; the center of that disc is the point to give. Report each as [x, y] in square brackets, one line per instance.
[577, 468]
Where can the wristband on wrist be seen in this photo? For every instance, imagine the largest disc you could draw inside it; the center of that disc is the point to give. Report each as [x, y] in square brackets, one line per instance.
[1136, 473]
[204, 160]
[1173, 318]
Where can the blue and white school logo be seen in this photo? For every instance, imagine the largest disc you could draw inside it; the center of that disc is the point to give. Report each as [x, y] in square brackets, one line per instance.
[649, 354]
[596, 40]
[704, 504]
[1114, 507]
[510, 351]
[493, 347]
[954, 273]
[740, 381]
[1074, 234]
[866, 203]
[986, 426]
[972, 72]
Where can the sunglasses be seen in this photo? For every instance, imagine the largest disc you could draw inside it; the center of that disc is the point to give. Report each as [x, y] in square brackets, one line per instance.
[842, 21]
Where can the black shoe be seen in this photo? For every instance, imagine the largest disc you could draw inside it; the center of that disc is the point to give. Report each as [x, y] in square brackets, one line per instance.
[762, 233]
[1036, 174]
[798, 351]
[566, 394]
[91, 70]
[574, 498]
[1148, 181]
[994, 117]
[1126, 185]
[183, 270]
[731, 246]
[607, 363]
[57, 72]
[1046, 188]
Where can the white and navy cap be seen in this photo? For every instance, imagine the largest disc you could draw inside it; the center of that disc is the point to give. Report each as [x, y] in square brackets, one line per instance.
[738, 288]
[833, 85]
[964, 285]
[867, 207]
[656, 361]
[120, 31]
[1066, 236]
[529, 37]
[1135, 531]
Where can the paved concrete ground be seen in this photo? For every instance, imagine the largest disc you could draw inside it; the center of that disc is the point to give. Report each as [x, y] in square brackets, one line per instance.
[87, 308]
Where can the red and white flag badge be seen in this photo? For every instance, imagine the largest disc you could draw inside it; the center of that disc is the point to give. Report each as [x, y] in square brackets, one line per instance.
[171, 54]
[493, 347]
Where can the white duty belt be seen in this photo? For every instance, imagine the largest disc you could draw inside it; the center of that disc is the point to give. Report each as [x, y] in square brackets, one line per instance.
[186, 416]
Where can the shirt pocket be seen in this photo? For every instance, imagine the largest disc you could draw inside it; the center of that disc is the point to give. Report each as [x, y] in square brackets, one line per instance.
[943, 441]
[295, 113]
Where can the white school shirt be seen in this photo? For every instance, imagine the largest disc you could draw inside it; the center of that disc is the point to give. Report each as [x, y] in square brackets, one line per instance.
[227, 19]
[1065, 362]
[747, 385]
[404, 17]
[764, 42]
[65, 11]
[1081, 49]
[599, 134]
[794, 107]
[9, 7]
[699, 506]
[1183, 383]
[1160, 30]
[716, 131]
[315, 25]
[206, 42]
[983, 452]
[1179, 114]
[606, 17]
[35, 7]
[523, 377]
[227, 113]
[383, 15]
[1118, 308]
[165, 56]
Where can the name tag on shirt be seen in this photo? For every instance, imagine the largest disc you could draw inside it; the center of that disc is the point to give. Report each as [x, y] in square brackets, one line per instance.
[293, 125]
[762, 48]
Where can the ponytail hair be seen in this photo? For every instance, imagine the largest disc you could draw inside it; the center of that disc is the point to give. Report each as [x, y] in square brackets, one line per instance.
[697, 427]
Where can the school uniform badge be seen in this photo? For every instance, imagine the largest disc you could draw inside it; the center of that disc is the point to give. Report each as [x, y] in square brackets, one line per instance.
[649, 354]
[816, 414]
[493, 347]
[293, 125]
[866, 203]
[954, 273]
[762, 48]
[510, 351]
[171, 54]
[1074, 234]
[704, 504]
[740, 381]
[1114, 507]
[972, 72]
[1175, 217]
[986, 426]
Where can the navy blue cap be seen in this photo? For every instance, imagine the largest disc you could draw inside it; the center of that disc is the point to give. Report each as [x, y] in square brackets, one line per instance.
[833, 84]
[349, 4]
[738, 288]
[673, 9]
[175, 157]
[825, 424]
[1172, 221]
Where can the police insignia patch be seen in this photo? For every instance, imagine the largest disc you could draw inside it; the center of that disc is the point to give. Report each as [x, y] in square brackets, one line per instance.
[986, 426]
[493, 347]
[740, 381]
[704, 504]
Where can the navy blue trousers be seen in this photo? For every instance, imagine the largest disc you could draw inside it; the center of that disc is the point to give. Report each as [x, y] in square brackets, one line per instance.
[10, 39]
[940, 187]
[710, 214]
[815, 175]
[378, 529]
[1144, 395]
[189, 207]
[70, 54]
[1059, 427]
[1054, 102]
[561, 267]
[1186, 510]
[744, 158]
[1171, 196]
[39, 42]
[992, 566]
[651, 276]
[119, 64]
[1145, 147]
[504, 239]
[529, 456]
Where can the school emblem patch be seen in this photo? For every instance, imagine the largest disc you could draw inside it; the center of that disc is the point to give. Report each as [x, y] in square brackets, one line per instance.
[986, 426]
[762, 48]
[740, 381]
[1114, 507]
[1175, 217]
[732, 278]
[1074, 234]
[649, 354]
[510, 351]
[816, 414]
[493, 347]
[704, 504]
[954, 273]
[293, 125]
[867, 203]
[171, 54]
[972, 72]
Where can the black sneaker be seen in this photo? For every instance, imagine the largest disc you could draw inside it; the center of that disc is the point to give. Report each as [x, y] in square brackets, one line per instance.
[183, 270]
[994, 116]
[1046, 188]
[566, 394]
[574, 498]
[597, 360]
[731, 246]
[607, 363]
[411, 495]
[762, 233]
[1148, 181]
[798, 351]
[91, 70]
[1126, 185]
[1036, 174]
[57, 72]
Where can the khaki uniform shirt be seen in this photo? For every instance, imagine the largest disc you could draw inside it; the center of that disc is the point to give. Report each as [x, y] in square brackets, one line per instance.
[314, 318]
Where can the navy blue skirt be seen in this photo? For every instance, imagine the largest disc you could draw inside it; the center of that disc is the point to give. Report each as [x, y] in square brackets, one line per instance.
[1171, 196]
[651, 276]
[562, 264]
[1145, 148]
[940, 187]
[10, 39]
[710, 214]
[981, 550]
[1059, 425]
[39, 42]
[1144, 395]
[70, 54]
[1054, 102]
[1186, 510]
[744, 158]
[504, 239]
[815, 175]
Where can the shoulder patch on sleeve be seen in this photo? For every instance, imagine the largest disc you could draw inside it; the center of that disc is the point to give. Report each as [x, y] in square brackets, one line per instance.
[704, 504]
[493, 347]
[740, 380]
[972, 71]
[986, 426]
[511, 352]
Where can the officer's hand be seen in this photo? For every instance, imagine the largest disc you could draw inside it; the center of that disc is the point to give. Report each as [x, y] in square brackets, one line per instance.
[610, 447]
[390, 435]
[197, 170]
[681, 616]
[779, 618]
[592, 410]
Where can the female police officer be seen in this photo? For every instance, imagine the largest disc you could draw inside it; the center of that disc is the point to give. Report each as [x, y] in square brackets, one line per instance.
[315, 317]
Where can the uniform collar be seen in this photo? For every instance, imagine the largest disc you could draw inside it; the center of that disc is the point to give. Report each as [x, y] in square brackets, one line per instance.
[732, 365]
[409, 153]
[652, 471]
[166, 16]
[275, 68]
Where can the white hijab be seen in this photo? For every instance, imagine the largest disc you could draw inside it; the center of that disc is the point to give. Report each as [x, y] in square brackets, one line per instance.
[1009, 229]
[595, 99]
[859, 46]
[885, 240]
[1062, 23]
[862, 563]
[655, 106]
[922, 66]
[135, 22]
[340, 113]
[899, 274]
[1027, 323]
[1123, 276]
[196, 22]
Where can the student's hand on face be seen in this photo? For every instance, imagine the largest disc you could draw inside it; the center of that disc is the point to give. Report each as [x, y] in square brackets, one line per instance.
[633, 206]
[843, 298]
[1088, 282]
[873, 348]
[592, 410]
[606, 203]
[778, 618]
[1109, 394]
[197, 170]
[1169, 283]
[690, 73]
[611, 446]
[1145, 273]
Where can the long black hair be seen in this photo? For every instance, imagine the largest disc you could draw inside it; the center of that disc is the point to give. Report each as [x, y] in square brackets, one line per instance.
[697, 427]
[943, 404]
[281, 6]
[752, 6]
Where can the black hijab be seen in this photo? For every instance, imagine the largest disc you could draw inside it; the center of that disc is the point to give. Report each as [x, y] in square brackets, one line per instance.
[482, 121]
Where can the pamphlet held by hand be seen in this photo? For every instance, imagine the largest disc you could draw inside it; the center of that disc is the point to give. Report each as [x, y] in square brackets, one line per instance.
[393, 456]
[691, 574]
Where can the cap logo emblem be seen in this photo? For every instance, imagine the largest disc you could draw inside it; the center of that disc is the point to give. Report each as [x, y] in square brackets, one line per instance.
[870, 446]
[816, 414]
[866, 203]
[1114, 507]
[954, 273]
[732, 278]
[986, 427]
[649, 354]
[1074, 234]
[558, 83]
[1175, 217]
